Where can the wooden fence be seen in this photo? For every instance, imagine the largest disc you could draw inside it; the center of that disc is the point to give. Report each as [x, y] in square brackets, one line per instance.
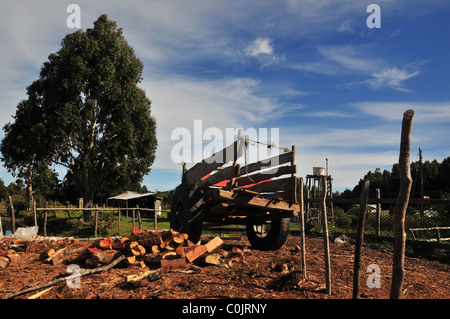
[95, 211]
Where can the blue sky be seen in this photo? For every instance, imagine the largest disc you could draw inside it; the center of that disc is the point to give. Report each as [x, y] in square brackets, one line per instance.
[311, 68]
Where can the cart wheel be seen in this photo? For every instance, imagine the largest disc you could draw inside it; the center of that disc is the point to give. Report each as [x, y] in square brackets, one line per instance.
[271, 236]
[179, 215]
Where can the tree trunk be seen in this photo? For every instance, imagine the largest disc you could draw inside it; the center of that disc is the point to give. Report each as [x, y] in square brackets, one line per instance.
[30, 187]
[398, 272]
[360, 238]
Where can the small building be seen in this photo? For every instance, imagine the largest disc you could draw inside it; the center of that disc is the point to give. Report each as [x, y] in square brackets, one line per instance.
[132, 199]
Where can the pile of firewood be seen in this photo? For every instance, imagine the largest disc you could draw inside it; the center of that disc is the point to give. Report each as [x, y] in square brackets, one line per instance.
[165, 249]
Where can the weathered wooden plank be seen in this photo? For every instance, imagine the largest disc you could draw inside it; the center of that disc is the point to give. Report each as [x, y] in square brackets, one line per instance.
[206, 166]
[273, 186]
[250, 201]
[256, 178]
[268, 163]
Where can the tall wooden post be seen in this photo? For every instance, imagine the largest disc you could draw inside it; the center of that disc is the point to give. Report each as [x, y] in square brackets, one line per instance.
[13, 215]
[398, 271]
[360, 238]
[139, 217]
[96, 221]
[34, 212]
[45, 219]
[378, 212]
[118, 222]
[302, 229]
[326, 243]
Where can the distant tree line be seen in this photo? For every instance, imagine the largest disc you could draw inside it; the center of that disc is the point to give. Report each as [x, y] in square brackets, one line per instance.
[436, 181]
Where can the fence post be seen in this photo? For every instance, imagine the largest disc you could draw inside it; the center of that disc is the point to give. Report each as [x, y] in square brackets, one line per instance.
[398, 271]
[34, 212]
[96, 221]
[378, 212]
[323, 208]
[118, 222]
[45, 219]
[80, 206]
[302, 229]
[155, 219]
[133, 217]
[139, 217]
[1, 227]
[360, 238]
[13, 215]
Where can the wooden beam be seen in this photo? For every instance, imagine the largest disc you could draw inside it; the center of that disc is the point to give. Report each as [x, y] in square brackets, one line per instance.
[261, 176]
[273, 186]
[206, 166]
[398, 271]
[255, 202]
[360, 238]
[268, 163]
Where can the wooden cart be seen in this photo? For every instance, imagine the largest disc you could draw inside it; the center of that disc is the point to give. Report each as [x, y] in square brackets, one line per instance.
[261, 195]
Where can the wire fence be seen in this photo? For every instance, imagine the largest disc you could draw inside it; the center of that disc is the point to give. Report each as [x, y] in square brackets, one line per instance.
[426, 219]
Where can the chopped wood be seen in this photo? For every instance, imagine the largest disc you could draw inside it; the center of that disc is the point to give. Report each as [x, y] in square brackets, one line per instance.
[101, 258]
[136, 231]
[178, 263]
[180, 251]
[195, 252]
[155, 249]
[170, 255]
[214, 244]
[4, 261]
[238, 252]
[83, 272]
[150, 275]
[210, 259]
[39, 294]
[131, 260]
[50, 253]
[138, 250]
[106, 243]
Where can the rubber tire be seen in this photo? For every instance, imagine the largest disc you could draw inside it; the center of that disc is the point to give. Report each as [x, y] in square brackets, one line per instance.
[179, 216]
[275, 238]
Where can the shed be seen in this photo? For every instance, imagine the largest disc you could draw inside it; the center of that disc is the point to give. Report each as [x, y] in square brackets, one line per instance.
[132, 199]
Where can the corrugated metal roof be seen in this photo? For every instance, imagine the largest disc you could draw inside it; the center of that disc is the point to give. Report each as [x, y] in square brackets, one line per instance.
[130, 195]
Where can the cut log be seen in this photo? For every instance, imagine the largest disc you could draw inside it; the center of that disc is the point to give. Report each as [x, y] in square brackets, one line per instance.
[4, 261]
[101, 258]
[180, 251]
[83, 272]
[155, 249]
[195, 252]
[178, 263]
[209, 259]
[214, 244]
[170, 255]
[131, 259]
[106, 243]
[149, 275]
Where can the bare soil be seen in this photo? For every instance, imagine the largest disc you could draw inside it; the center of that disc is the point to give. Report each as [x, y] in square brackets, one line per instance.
[259, 275]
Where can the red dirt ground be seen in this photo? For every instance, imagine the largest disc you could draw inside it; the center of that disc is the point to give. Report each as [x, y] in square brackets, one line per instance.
[259, 275]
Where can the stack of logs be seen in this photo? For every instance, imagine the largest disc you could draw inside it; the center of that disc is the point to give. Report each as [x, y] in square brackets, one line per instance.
[165, 249]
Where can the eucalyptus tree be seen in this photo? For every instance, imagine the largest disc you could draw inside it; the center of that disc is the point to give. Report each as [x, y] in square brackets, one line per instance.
[87, 113]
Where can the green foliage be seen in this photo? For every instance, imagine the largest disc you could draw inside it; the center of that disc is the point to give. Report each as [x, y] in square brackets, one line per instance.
[87, 113]
[436, 180]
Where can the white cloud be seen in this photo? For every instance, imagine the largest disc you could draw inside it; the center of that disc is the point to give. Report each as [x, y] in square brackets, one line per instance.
[346, 27]
[391, 77]
[260, 46]
[225, 103]
[424, 112]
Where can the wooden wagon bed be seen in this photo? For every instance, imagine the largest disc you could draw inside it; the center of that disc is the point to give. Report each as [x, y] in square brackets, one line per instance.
[219, 191]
